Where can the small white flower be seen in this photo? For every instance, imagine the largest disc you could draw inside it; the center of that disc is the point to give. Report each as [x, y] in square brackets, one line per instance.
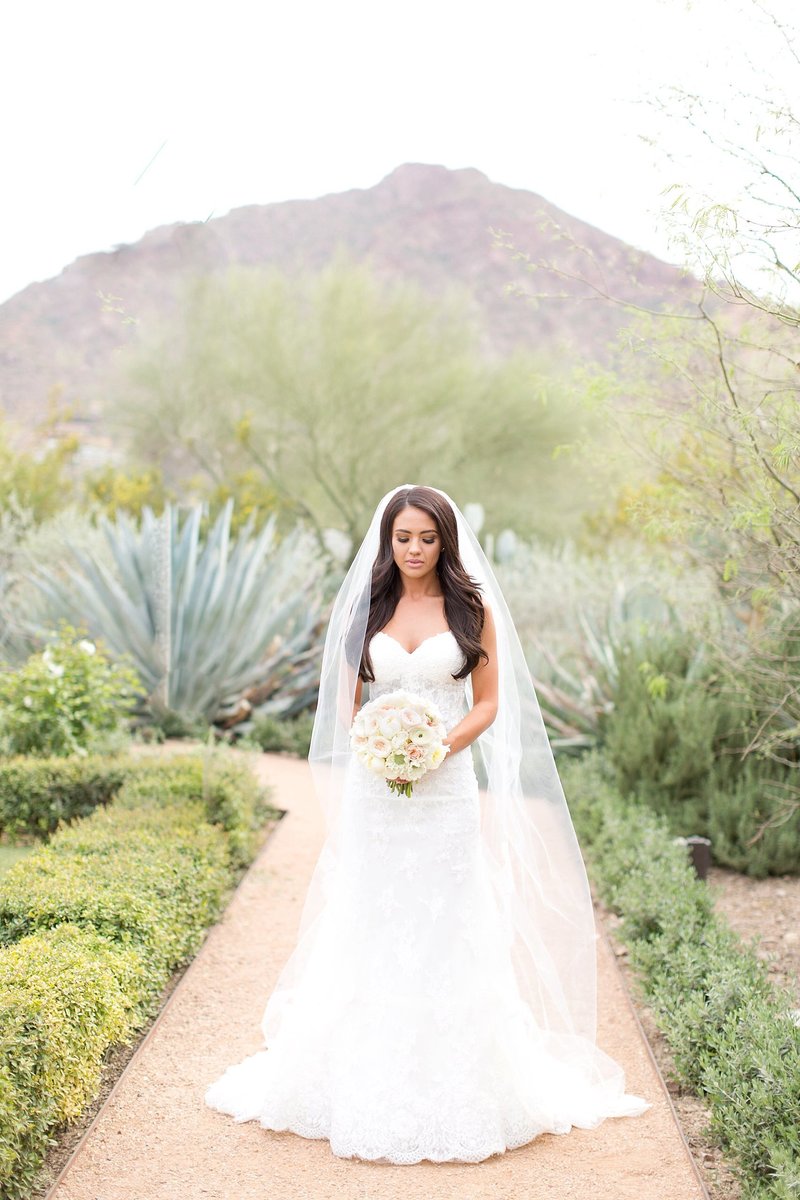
[26, 700]
[86, 646]
[435, 756]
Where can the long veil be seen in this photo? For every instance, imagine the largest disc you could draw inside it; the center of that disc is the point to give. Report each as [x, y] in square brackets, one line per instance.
[538, 875]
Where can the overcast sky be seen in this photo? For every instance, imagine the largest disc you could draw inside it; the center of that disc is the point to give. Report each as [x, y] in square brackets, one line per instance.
[119, 118]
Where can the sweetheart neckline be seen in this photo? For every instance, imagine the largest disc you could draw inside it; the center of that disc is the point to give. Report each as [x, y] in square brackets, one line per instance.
[411, 653]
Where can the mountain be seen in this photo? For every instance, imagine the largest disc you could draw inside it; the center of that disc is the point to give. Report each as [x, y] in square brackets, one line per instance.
[422, 222]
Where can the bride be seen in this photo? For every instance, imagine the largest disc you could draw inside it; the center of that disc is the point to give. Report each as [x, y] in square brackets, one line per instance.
[440, 1002]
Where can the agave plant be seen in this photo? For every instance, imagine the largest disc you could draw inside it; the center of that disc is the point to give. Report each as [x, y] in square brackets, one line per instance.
[206, 621]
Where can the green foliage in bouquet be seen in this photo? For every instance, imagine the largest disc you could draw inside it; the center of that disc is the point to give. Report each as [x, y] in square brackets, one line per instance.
[65, 698]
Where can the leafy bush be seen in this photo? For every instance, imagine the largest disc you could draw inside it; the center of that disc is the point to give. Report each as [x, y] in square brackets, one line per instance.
[290, 736]
[65, 995]
[735, 1039]
[660, 735]
[230, 793]
[748, 823]
[149, 878]
[62, 699]
[676, 739]
[91, 926]
[37, 793]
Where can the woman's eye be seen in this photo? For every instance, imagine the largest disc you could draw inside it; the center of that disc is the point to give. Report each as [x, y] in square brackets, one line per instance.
[427, 541]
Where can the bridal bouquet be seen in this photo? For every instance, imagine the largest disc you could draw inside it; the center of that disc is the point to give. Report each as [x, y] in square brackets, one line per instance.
[399, 736]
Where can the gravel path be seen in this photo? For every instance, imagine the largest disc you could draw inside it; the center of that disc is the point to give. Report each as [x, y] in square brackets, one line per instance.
[155, 1139]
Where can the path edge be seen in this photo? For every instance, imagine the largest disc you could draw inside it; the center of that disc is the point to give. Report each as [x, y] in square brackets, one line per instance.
[653, 1061]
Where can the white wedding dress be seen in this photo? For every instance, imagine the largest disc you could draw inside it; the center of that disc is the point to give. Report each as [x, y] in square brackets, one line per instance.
[404, 1036]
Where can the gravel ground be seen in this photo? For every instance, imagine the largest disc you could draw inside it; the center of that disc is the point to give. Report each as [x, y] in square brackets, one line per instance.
[765, 912]
[155, 1138]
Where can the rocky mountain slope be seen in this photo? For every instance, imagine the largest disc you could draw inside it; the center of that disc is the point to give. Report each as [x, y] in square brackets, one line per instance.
[424, 223]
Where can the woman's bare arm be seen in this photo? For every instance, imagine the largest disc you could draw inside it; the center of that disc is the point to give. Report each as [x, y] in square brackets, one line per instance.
[484, 693]
[357, 700]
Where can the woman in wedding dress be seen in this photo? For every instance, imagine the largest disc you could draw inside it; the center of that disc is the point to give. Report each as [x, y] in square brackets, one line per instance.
[440, 1001]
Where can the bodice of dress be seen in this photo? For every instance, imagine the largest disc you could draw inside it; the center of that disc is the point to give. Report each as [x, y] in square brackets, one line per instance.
[428, 671]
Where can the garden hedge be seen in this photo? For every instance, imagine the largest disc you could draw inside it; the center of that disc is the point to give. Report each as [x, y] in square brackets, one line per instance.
[735, 1037]
[92, 925]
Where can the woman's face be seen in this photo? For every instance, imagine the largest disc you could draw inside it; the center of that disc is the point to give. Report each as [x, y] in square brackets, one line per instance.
[416, 544]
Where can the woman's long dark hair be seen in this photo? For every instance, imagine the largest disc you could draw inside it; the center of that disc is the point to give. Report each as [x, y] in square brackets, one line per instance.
[463, 605]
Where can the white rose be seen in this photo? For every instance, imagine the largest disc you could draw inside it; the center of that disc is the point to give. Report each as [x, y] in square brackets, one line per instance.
[379, 746]
[389, 725]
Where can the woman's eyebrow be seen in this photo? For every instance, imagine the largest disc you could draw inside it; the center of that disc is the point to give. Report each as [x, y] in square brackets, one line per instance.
[411, 531]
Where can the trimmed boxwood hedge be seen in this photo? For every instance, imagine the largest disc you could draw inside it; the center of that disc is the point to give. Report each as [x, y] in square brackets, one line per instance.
[37, 793]
[66, 994]
[93, 924]
[149, 878]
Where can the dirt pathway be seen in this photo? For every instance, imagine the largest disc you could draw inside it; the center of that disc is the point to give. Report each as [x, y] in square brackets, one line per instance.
[155, 1139]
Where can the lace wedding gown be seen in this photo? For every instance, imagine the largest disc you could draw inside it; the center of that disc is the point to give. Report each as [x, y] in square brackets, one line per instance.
[404, 1036]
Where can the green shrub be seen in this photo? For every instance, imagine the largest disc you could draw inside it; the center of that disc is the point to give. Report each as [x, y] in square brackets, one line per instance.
[748, 824]
[231, 795]
[106, 910]
[153, 879]
[65, 995]
[675, 739]
[751, 1078]
[732, 1035]
[64, 698]
[290, 735]
[660, 735]
[37, 793]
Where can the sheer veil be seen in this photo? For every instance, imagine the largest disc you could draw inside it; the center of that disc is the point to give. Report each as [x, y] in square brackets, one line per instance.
[538, 875]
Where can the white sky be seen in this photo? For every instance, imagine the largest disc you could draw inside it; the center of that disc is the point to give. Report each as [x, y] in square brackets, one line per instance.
[244, 103]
